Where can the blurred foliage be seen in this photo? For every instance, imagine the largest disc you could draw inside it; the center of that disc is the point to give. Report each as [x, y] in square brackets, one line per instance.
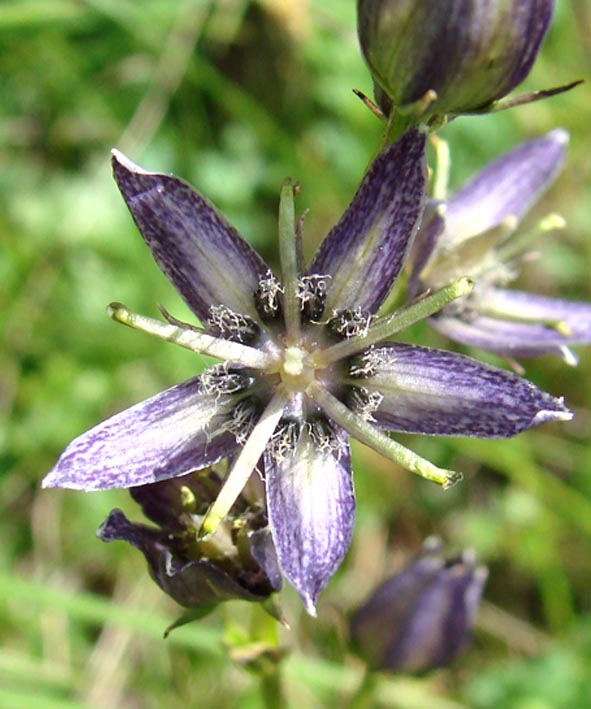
[234, 95]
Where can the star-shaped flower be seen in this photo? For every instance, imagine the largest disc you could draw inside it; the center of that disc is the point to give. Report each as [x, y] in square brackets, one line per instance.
[474, 233]
[306, 363]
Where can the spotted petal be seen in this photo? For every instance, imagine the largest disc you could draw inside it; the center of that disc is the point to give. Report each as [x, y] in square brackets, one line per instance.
[364, 252]
[170, 434]
[560, 323]
[196, 248]
[441, 393]
[508, 186]
[311, 510]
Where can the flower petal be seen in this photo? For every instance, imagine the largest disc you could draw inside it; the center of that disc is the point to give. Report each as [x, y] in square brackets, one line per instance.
[441, 393]
[170, 434]
[311, 510]
[203, 256]
[192, 584]
[508, 186]
[364, 252]
[561, 323]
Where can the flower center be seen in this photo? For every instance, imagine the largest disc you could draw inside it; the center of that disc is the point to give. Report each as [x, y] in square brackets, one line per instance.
[297, 368]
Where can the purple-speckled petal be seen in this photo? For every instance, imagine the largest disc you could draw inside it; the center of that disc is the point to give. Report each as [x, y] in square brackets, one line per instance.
[364, 252]
[311, 510]
[196, 248]
[497, 332]
[170, 434]
[192, 584]
[441, 393]
[509, 186]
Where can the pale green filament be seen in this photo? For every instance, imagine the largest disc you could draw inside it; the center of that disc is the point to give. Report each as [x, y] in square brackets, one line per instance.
[193, 340]
[289, 262]
[245, 463]
[380, 442]
[383, 328]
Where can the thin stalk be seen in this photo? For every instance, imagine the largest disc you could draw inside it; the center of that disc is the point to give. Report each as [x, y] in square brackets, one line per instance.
[288, 255]
[245, 463]
[192, 339]
[384, 328]
[380, 442]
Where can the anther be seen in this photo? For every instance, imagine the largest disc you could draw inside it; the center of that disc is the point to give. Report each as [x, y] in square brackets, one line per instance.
[311, 293]
[231, 325]
[349, 323]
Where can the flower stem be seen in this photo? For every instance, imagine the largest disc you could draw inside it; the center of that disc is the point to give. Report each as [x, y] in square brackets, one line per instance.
[191, 339]
[384, 328]
[380, 442]
[244, 464]
[289, 261]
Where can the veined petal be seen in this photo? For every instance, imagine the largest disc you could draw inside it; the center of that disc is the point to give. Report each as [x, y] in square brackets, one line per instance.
[508, 186]
[561, 323]
[203, 255]
[441, 393]
[311, 510]
[170, 434]
[364, 252]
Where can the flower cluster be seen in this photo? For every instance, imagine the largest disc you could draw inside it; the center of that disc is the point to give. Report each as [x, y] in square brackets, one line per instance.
[308, 358]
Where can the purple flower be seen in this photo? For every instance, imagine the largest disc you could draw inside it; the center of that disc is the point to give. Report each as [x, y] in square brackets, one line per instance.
[306, 363]
[472, 234]
[238, 563]
[438, 59]
[422, 617]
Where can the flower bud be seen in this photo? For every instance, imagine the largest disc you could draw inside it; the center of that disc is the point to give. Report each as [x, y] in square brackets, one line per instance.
[469, 52]
[422, 617]
[238, 562]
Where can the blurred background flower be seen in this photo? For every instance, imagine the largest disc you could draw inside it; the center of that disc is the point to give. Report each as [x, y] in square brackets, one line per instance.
[422, 617]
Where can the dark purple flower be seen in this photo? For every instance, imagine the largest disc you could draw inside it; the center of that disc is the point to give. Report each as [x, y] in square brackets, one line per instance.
[305, 360]
[422, 617]
[472, 234]
[469, 52]
[239, 562]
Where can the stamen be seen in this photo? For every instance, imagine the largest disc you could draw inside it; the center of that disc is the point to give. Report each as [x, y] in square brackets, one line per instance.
[366, 364]
[400, 320]
[324, 437]
[220, 380]
[285, 440]
[311, 292]
[245, 463]
[364, 402]
[350, 323]
[231, 325]
[380, 442]
[191, 339]
[266, 297]
[243, 420]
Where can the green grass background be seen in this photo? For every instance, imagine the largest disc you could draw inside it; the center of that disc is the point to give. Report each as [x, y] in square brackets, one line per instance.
[234, 96]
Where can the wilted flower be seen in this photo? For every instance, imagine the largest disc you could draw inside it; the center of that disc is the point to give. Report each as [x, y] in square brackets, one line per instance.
[422, 617]
[473, 233]
[238, 562]
[470, 53]
[306, 364]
